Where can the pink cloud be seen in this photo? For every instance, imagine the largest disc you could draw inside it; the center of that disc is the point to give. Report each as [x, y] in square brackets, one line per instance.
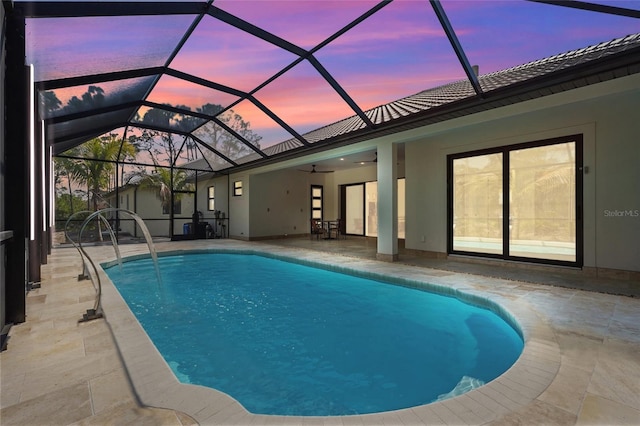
[304, 99]
[180, 92]
[225, 55]
[304, 23]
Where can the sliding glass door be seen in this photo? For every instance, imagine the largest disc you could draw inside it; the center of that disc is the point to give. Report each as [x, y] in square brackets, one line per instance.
[542, 210]
[477, 204]
[536, 219]
[354, 204]
[361, 208]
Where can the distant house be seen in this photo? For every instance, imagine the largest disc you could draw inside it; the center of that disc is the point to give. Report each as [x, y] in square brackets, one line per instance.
[146, 203]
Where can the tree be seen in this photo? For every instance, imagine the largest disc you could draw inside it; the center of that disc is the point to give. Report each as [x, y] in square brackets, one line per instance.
[65, 207]
[96, 174]
[95, 169]
[221, 140]
[64, 168]
[160, 181]
[163, 150]
[158, 144]
[50, 103]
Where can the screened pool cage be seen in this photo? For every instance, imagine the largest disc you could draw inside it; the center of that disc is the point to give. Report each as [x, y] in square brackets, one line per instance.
[142, 102]
[106, 172]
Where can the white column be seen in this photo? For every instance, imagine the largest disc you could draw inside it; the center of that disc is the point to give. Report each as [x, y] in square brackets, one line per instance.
[387, 202]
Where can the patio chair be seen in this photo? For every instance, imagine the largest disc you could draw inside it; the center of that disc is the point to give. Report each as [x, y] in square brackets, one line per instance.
[316, 228]
[338, 228]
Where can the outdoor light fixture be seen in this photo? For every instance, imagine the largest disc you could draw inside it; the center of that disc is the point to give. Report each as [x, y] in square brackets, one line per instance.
[32, 158]
[43, 162]
[52, 186]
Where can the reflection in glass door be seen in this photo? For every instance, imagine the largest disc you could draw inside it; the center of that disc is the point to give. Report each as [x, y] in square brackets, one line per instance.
[537, 218]
[361, 201]
[354, 202]
[542, 208]
[371, 202]
[477, 204]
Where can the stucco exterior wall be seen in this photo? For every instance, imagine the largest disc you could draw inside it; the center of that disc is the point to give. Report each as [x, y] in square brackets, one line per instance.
[280, 202]
[145, 203]
[277, 203]
[604, 116]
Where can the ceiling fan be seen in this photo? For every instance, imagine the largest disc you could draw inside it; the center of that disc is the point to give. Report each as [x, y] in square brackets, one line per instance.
[375, 160]
[313, 170]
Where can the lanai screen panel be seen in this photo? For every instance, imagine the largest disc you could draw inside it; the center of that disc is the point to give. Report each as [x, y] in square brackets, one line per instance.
[82, 98]
[289, 73]
[161, 148]
[257, 125]
[305, 23]
[304, 99]
[213, 160]
[535, 31]
[72, 47]
[190, 96]
[168, 120]
[410, 55]
[225, 143]
[87, 125]
[223, 54]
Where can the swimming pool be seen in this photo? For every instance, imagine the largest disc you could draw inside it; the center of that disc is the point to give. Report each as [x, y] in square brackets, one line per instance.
[300, 342]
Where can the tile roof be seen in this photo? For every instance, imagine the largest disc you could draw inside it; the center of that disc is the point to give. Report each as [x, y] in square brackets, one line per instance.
[443, 95]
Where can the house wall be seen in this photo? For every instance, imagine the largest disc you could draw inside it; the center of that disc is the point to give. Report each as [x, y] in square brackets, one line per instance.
[277, 203]
[607, 117]
[239, 208]
[221, 202]
[280, 202]
[145, 203]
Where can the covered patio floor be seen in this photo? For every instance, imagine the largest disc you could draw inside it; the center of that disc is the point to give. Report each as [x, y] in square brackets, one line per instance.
[547, 275]
[581, 366]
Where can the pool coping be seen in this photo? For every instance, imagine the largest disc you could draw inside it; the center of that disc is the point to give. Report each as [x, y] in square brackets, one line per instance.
[155, 384]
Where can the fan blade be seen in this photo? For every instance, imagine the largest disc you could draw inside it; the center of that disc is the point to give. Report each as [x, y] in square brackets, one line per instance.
[313, 170]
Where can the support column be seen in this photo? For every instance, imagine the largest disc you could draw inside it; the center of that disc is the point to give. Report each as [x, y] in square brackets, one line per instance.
[387, 202]
[43, 193]
[16, 162]
[35, 184]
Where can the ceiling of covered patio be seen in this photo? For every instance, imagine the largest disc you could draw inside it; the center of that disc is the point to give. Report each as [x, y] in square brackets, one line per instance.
[230, 84]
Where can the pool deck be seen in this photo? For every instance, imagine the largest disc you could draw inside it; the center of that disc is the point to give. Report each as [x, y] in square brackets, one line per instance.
[580, 364]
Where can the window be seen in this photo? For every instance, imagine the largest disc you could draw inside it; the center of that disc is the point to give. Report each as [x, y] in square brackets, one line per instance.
[211, 198]
[537, 216]
[316, 202]
[237, 188]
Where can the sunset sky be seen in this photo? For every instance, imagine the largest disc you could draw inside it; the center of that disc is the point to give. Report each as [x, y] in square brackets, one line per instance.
[399, 51]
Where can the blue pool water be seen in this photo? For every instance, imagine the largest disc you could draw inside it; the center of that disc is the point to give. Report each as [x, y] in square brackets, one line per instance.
[283, 338]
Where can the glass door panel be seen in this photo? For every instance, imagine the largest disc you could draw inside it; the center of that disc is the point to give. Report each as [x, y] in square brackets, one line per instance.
[355, 209]
[477, 204]
[401, 208]
[542, 209]
[371, 191]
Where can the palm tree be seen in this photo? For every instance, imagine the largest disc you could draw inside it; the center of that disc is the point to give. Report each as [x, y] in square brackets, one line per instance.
[65, 167]
[160, 180]
[99, 157]
[96, 174]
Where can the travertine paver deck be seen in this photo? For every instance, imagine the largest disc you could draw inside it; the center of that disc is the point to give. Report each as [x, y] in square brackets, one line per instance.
[580, 364]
